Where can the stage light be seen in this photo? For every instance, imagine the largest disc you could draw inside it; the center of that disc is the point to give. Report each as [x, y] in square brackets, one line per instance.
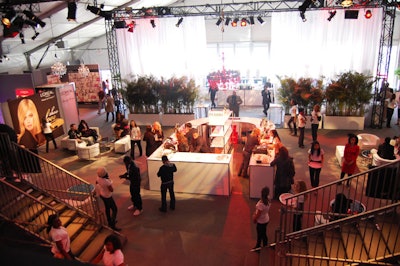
[251, 18]
[219, 21]
[347, 3]
[179, 22]
[71, 11]
[121, 24]
[234, 22]
[227, 21]
[35, 36]
[331, 15]
[303, 16]
[368, 14]
[259, 18]
[8, 17]
[34, 18]
[153, 23]
[22, 37]
[243, 22]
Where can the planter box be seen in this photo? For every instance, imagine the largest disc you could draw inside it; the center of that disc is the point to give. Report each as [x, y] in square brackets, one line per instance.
[344, 122]
[164, 119]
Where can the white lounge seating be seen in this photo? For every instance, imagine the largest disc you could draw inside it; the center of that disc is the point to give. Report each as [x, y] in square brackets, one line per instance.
[377, 160]
[339, 153]
[368, 141]
[72, 144]
[88, 152]
[123, 144]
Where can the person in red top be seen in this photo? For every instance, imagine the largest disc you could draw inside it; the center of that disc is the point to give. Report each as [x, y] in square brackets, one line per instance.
[351, 151]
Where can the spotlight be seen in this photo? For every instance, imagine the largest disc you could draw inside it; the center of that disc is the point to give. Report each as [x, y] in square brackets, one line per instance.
[368, 14]
[259, 18]
[179, 22]
[243, 22]
[251, 20]
[331, 15]
[303, 16]
[22, 37]
[227, 20]
[234, 22]
[8, 17]
[35, 36]
[131, 26]
[71, 11]
[347, 3]
[34, 18]
[153, 23]
[219, 21]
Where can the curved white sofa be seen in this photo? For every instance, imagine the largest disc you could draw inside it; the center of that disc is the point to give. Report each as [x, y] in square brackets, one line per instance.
[368, 141]
[378, 161]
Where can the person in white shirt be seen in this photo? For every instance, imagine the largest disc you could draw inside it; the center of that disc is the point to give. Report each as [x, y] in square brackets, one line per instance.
[301, 119]
[292, 121]
[61, 247]
[315, 118]
[111, 254]
[390, 109]
[48, 133]
[261, 218]
[136, 136]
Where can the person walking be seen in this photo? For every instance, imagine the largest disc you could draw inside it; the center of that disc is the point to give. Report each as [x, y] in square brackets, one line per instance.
[284, 172]
[48, 134]
[293, 117]
[302, 124]
[261, 218]
[101, 94]
[390, 109]
[133, 175]
[109, 107]
[136, 136]
[61, 247]
[234, 101]
[351, 151]
[166, 173]
[266, 96]
[105, 189]
[315, 119]
[315, 162]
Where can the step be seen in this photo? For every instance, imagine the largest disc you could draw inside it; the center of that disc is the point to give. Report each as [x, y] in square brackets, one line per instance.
[316, 247]
[40, 222]
[334, 245]
[96, 244]
[28, 213]
[67, 216]
[74, 226]
[299, 246]
[353, 242]
[79, 243]
[373, 241]
[391, 234]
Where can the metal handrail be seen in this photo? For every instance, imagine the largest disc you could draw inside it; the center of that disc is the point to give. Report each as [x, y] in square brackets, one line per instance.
[371, 199]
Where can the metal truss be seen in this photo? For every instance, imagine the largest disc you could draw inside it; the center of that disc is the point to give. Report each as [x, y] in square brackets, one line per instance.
[382, 70]
[113, 55]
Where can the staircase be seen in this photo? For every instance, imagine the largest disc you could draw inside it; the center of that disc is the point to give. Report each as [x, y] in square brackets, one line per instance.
[51, 190]
[368, 234]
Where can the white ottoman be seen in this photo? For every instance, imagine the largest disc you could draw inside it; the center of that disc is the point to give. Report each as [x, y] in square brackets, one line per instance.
[88, 152]
[123, 144]
[339, 153]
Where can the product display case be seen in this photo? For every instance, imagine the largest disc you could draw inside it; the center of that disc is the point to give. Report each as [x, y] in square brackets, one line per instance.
[221, 130]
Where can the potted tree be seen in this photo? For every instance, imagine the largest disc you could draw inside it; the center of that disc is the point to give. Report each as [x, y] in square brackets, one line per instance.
[347, 100]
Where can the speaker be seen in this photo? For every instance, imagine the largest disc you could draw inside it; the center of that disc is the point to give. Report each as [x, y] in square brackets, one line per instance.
[351, 14]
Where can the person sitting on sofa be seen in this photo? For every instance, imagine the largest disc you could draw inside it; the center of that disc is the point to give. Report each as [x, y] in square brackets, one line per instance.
[386, 151]
[86, 131]
[74, 133]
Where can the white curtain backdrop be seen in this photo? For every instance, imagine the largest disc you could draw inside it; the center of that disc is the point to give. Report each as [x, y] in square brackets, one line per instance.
[319, 47]
[163, 51]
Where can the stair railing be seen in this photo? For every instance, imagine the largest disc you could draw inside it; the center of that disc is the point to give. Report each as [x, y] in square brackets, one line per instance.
[365, 192]
[24, 164]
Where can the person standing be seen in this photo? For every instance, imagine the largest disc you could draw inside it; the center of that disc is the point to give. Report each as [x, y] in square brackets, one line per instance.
[109, 107]
[302, 124]
[166, 173]
[136, 136]
[390, 109]
[234, 101]
[284, 172]
[61, 247]
[213, 91]
[133, 175]
[199, 144]
[266, 96]
[315, 162]
[158, 134]
[149, 138]
[261, 218]
[299, 187]
[293, 118]
[48, 133]
[351, 151]
[111, 254]
[315, 119]
[105, 190]
[252, 140]
[101, 96]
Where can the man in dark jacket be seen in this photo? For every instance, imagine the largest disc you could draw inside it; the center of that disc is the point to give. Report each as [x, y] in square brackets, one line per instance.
[133, 175]
[166, 172]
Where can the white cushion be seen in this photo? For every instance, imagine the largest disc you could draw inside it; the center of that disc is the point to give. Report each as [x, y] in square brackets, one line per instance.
[88, 152]
[339, 153]
[123, 144]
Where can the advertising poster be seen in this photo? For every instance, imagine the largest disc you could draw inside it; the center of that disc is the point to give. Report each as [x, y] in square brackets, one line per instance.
[28, 113]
